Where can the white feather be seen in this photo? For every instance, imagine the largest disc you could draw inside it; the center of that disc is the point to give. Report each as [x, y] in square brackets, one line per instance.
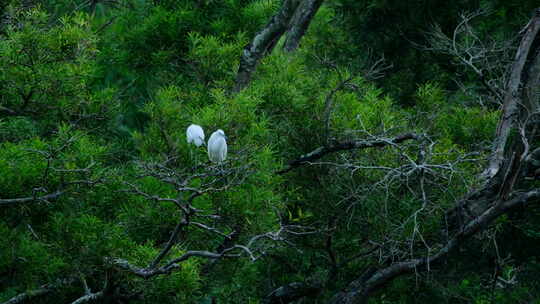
[195, 135]
[217, 147]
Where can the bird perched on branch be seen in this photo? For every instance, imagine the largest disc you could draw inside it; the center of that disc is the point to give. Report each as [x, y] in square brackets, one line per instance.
[195, 135]
[217, 146]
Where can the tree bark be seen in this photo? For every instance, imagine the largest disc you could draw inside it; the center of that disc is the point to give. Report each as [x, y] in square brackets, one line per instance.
[263, 43]
[300, 23]
[359, 290]
[513, 96]
[26, 296]
[293, 17]
[22, 200]
[343, 146]
[503, 174]
[43, 290]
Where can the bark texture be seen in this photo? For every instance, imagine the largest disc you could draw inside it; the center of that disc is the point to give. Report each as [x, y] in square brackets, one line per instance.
[514, 95]
[263, 42]
[293, 18]
[300, 23]
[504, 187]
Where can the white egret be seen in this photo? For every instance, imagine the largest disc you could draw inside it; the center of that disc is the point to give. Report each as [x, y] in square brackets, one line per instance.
[217, 146]
[195, 135]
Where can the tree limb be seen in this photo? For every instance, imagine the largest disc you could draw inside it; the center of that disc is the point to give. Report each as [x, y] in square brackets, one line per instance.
[147, 273]
[263, 42]
[26, 296]
[359, 290]
[512, 97]
[290, 293]
[300, 23]
[22, 200]
[343, 146]
[89, 298]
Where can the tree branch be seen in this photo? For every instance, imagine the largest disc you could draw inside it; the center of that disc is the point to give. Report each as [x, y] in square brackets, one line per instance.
[512, 97]
[22, 200]
[147, 273]
[300, 23]
[359, 290]
[89, 298]
[343, 146]
[42, 290]
[263, 42]
[25, 296]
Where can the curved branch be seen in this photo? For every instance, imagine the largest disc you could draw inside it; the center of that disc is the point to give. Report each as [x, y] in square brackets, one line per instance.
[347, 145]
[512, 97]
[147, 273]
[360, 289]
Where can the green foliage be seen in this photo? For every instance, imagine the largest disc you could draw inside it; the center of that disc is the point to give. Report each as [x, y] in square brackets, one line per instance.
[95, 95]
[458, 124]
[47, 72]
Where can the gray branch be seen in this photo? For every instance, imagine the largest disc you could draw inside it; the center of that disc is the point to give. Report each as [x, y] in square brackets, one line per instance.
[26, 296]
[512, 97]
[91, 297]
[359, 290]
[344, 146]
[22, 200]
[147, 273]
[263, 42]
[300, 23]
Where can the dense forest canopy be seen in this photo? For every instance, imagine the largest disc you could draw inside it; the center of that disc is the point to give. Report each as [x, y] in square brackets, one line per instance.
[379, 151]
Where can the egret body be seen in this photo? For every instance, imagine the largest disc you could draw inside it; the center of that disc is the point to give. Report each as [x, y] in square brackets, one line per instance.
[195, 135]
[217, 146]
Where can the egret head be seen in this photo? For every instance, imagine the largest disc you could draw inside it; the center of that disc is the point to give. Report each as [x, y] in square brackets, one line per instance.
[220, 132]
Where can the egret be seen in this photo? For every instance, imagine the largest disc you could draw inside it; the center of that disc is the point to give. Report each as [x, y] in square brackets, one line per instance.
[195, 135]
[217, 146]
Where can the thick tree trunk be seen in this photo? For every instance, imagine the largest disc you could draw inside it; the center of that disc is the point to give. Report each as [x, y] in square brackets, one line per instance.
[503, 175]
[300, 23]
[359, 290]
[293, 17]
[263, 43]
[513, 97]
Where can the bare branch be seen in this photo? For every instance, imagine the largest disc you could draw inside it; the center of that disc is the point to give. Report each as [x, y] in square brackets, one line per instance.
[484, 58]
[41, 291]
[147, 273]
[22, 200]
[211, 229]
[26, 296]
[358, 290]
[344, 146]
[89, 298]
[169, 245]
